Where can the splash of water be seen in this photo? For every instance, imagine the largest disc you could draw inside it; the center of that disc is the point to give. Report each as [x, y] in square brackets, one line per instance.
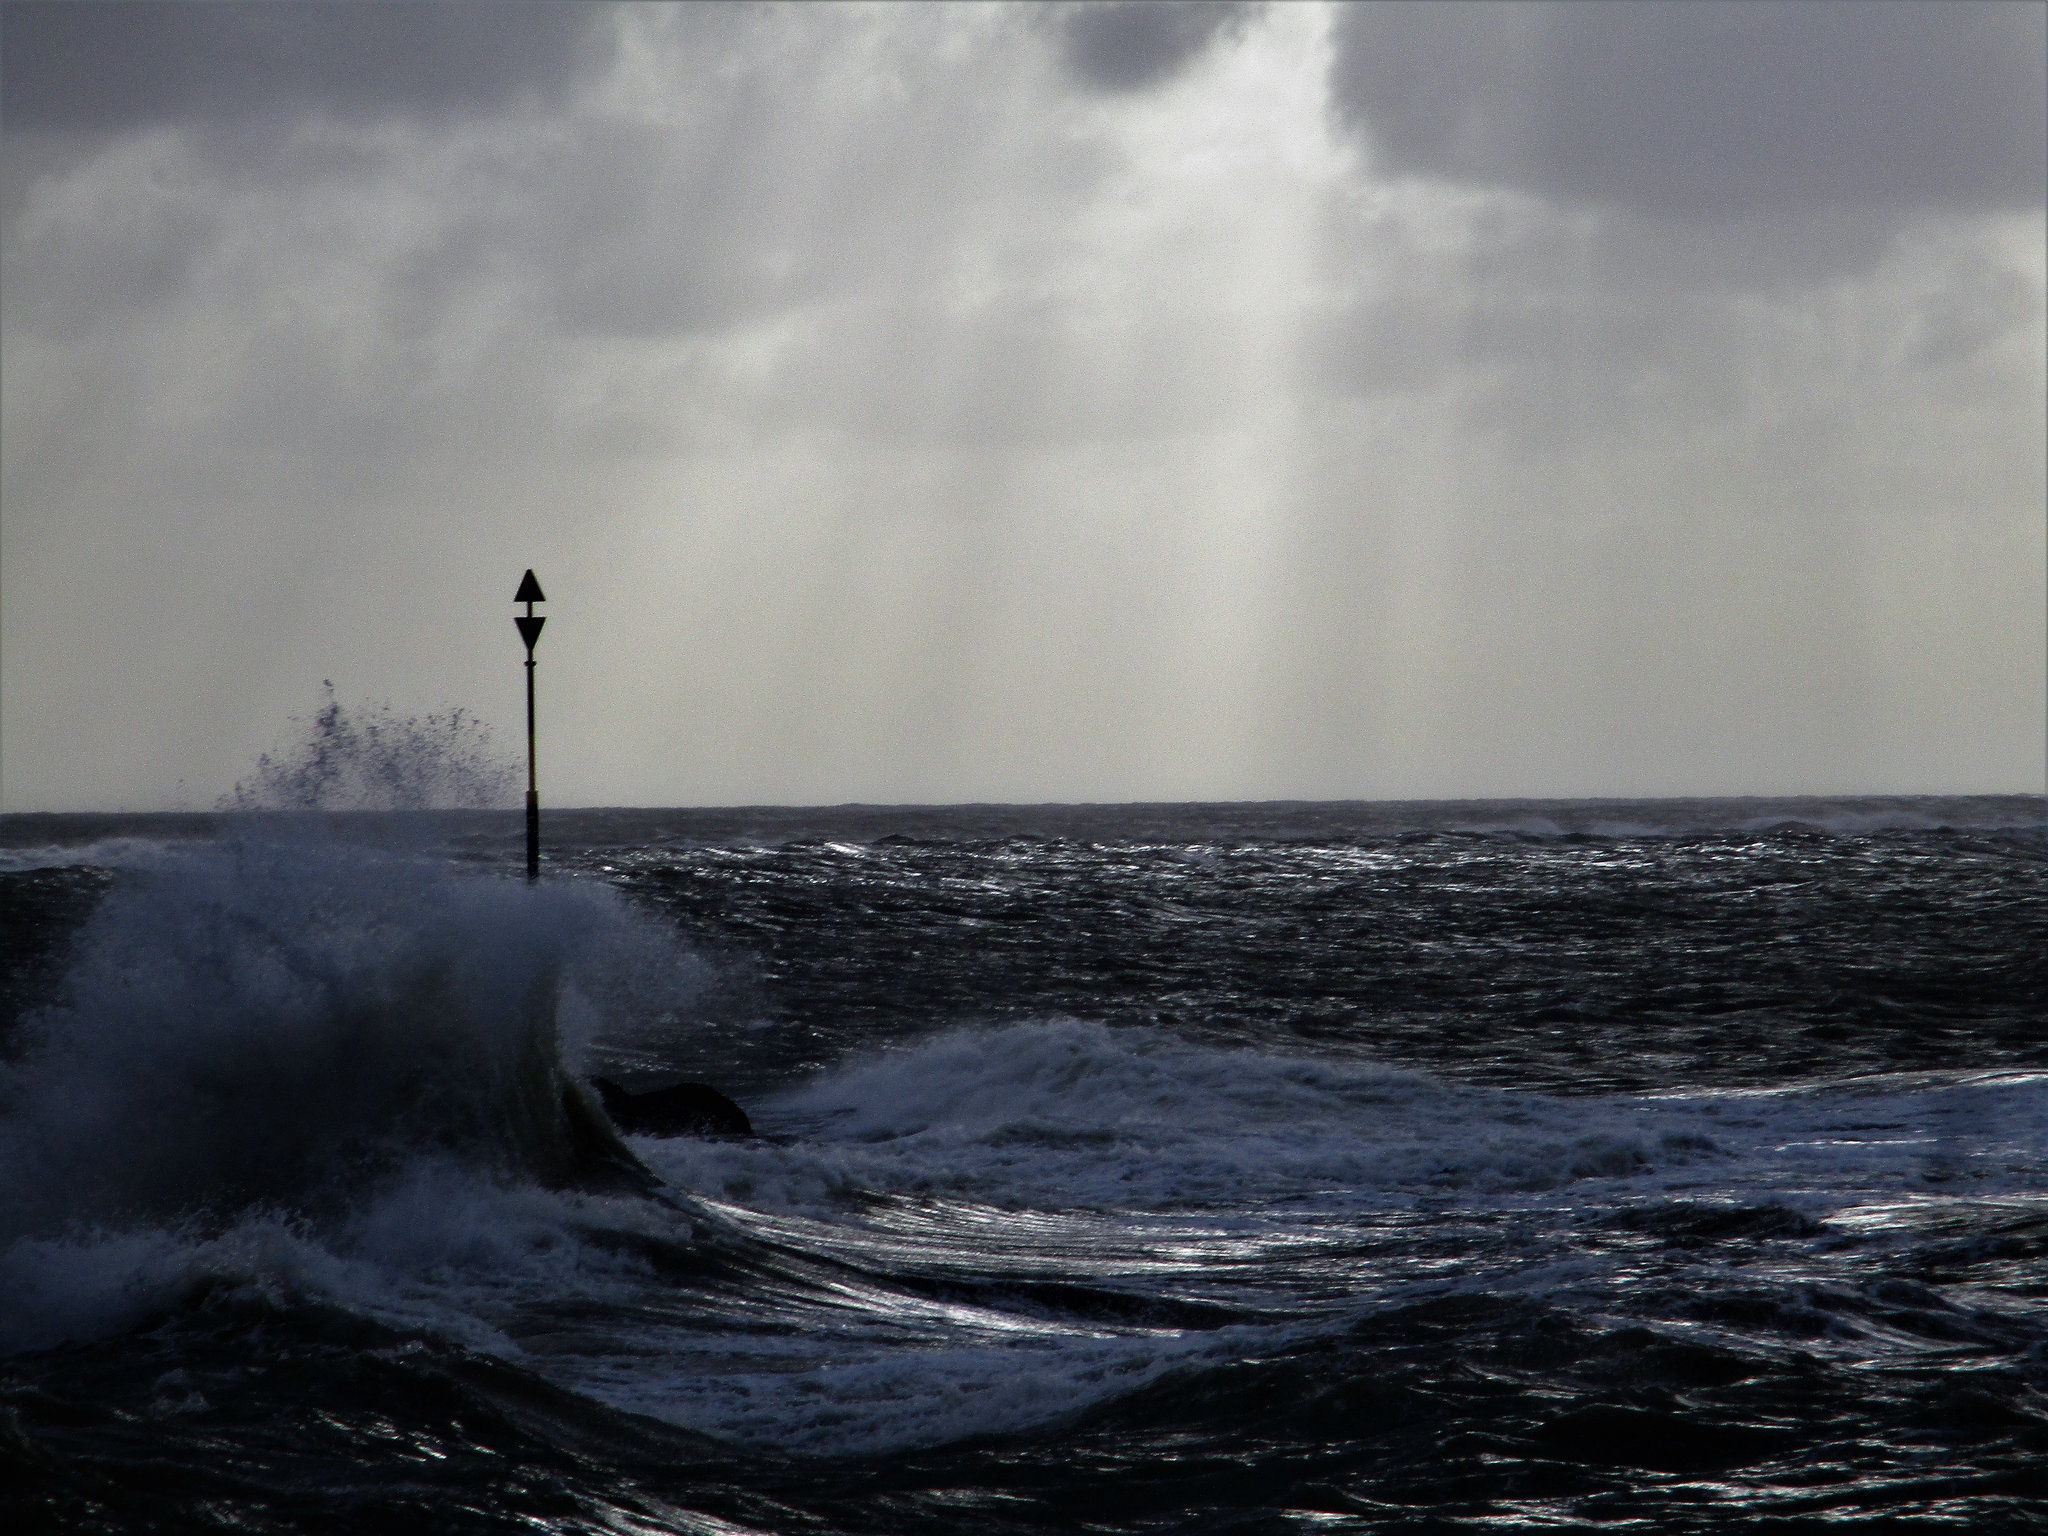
[261, 1023]
[287, 1018]
[372, 758]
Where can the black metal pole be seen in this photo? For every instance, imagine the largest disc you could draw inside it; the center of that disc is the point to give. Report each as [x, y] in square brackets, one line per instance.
[532, 781]
[530, 624]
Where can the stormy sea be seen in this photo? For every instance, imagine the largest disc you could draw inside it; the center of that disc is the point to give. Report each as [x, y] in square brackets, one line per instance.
[1665, 1165]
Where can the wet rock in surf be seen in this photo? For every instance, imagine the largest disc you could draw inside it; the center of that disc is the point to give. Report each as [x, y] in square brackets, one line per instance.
[681, 1109]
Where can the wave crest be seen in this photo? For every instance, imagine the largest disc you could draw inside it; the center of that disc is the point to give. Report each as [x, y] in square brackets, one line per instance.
[255, 1023]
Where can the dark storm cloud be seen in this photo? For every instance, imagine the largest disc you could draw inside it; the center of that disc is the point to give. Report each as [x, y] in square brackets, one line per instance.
[1697, 111]
[105, 67]
[1127, 46]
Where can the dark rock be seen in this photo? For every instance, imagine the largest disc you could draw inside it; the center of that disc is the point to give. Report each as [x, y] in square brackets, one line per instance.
[681, 1109]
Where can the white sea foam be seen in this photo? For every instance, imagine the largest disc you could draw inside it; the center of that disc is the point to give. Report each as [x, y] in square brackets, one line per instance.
[1288, 1181]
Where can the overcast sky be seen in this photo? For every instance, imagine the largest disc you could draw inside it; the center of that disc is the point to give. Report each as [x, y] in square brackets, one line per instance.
[929, 403]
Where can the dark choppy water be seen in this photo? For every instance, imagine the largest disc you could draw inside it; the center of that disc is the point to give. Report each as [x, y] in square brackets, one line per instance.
[1227, 1168]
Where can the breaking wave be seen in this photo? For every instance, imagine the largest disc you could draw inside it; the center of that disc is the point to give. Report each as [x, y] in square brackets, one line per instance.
[261, 1044]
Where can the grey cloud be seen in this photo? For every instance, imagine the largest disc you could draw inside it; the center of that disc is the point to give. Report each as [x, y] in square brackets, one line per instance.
[1792, 249]
[1126, 45]
[599, 224]
[783, 179]
[1538, 368]
[1698, 111]
[641, 231]
[1545, 329]
[1653, 189]
[1978, 307]
[458, 287]
[119, 64]
[72, 272]
[1016, 373]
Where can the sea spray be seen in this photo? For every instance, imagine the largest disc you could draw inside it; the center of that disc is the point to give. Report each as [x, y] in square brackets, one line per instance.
[371, 758]
[278, 1023]
[287, 1016]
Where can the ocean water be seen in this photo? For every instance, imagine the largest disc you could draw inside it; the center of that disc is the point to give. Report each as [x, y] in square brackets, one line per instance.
[1253, 1168]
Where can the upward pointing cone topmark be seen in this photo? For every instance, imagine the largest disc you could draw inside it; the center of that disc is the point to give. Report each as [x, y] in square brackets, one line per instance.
[529, 624]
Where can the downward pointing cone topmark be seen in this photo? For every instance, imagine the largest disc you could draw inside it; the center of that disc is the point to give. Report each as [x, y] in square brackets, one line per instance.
[529, 624]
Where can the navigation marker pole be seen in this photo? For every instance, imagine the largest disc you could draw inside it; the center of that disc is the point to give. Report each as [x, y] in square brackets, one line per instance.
[530, 593]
